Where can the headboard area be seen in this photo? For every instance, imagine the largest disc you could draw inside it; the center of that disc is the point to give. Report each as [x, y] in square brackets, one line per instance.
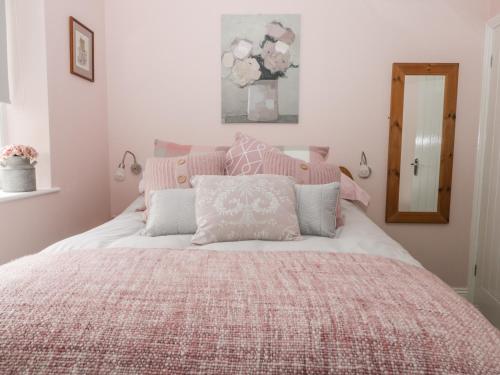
[346, 171]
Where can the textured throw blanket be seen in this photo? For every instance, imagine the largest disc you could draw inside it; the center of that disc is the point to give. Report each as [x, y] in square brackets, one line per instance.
[129, 311]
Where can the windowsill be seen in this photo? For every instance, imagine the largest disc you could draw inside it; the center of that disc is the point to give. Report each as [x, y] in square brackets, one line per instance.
[8, 197]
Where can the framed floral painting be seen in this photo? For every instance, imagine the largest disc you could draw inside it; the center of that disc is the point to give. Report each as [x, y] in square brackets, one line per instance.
[81, 50]
[260, 68]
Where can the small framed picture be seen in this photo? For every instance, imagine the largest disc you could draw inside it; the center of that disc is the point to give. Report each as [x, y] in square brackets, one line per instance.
[81, 50]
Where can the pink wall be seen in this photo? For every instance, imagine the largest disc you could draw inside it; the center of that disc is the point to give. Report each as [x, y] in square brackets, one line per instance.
[78, 140]
[493, 8]
[164, 81]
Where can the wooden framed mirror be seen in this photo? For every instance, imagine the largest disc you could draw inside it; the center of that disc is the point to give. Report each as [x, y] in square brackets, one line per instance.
[421, 139]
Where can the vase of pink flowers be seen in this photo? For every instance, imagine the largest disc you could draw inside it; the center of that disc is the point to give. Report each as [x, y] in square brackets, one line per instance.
[18, 168]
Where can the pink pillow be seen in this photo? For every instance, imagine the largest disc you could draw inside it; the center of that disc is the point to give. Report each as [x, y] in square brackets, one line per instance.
[170, 149]
[170, 173]
[245, 155]
[238, 208]
[352, 191]
[304, 173]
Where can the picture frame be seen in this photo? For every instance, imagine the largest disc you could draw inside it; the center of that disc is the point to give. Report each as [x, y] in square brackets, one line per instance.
[81, 50]
[260, 68]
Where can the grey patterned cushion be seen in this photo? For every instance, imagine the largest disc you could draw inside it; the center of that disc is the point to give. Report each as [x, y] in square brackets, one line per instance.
[171, 212]
[316, 207]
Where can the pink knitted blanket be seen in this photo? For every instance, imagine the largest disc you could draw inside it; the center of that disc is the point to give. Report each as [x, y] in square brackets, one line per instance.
[129, 311]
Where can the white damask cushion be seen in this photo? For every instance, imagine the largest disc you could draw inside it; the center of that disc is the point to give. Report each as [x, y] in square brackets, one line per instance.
[316, 207]
[171, 211]
[237, 208]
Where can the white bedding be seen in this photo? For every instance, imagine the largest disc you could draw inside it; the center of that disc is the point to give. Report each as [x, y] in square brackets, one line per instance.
[358, 235]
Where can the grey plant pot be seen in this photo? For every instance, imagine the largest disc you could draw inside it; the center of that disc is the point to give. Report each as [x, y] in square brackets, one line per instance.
[18, 175]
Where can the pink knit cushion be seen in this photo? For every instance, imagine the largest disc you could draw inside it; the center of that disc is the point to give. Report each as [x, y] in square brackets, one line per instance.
[352, 191]
[246, 154]
[237, 208]
[170, 173]
[171, 149]
[303, 173]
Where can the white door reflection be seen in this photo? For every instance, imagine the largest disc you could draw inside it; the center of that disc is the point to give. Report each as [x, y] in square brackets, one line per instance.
[421, 143]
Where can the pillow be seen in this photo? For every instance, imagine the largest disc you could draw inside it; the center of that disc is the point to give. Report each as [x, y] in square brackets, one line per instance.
[245, 208]
[303, 173]
[352, 191]
[171, 211]
[170, 149]
[316, 209]
[245, 155]
[164, 149]
[170, 173]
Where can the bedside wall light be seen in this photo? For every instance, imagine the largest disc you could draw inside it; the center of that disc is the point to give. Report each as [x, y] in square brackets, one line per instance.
[135, 168]
[364, 170]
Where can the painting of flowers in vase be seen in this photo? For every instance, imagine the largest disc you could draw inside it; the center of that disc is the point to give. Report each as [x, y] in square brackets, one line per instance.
[260, 68]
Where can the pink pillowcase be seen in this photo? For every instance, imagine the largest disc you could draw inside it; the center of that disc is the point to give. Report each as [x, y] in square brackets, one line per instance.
[171, 173]
[168, 149]
[352, 191]
[246, 154]
[245, 208]
[303, 173]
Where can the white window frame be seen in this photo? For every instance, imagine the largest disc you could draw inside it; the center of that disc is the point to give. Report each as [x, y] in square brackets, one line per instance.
[3, 126]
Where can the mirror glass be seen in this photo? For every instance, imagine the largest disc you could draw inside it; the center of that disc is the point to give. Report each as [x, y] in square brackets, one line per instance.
[421, 142]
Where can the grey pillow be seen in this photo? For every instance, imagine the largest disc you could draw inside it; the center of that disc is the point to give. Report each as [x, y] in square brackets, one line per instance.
[171, 211]
[316, 209]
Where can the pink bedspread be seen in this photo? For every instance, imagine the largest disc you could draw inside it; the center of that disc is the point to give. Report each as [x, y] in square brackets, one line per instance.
[128, 311]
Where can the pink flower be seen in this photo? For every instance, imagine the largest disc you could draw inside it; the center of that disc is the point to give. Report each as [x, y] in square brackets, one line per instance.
[245, 72]
[22, 151]
[275, 30]
[274, 60]
[288, 37]
[241, 48]
[278, 32]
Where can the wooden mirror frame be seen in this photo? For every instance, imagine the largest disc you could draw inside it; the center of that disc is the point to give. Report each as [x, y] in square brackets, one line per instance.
[399, 71]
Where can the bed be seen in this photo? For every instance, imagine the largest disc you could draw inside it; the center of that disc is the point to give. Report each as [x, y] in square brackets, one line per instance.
[115, 302]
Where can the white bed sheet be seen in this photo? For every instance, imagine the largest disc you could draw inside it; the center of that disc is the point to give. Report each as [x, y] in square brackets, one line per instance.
[359, 235]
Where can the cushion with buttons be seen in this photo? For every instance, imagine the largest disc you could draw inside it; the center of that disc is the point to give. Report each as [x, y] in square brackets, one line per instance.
[175, 173]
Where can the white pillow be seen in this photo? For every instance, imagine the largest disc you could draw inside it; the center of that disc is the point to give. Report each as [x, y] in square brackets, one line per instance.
[171, 212]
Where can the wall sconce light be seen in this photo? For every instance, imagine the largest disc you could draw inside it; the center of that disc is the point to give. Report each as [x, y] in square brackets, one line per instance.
[364, 170]
[135, 168]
